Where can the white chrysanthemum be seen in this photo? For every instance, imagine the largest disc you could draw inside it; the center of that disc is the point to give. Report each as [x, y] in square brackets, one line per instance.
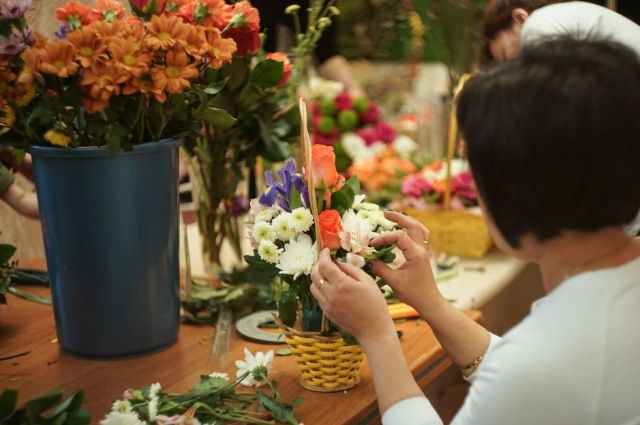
[367, 206]
[302, 219]
[257, 366]
[457, 166]
[266, 214]
[320, 87]
[377, 219]
[121, 406]
[353, 145]
[154, 389]
[357, 200]
[299, 256]
[405, 146]
[153, 408]
[355, 234]
[268, 251]
[122, 418]
[219, 375]
[283, 226]
[262, 231]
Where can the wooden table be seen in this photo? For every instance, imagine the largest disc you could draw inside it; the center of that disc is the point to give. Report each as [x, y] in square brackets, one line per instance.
[29, 327]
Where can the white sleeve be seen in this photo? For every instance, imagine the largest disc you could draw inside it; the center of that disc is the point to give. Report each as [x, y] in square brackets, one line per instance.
[411, 411]
[418, 410]
[495, 339]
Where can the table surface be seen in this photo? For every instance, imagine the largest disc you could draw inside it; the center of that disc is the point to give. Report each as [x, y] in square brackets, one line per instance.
[29, 327]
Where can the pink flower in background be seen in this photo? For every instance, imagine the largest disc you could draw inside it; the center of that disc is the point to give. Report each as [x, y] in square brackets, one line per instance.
[12, 9]
[344, 101]
[369, 134]
[415, 186]
[326, 139]
[372, 114]
[386, 133]
[462, 185]
[11, 45]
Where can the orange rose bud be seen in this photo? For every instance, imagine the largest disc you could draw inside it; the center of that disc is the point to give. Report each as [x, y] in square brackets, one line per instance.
[324, 165]
[330, 227]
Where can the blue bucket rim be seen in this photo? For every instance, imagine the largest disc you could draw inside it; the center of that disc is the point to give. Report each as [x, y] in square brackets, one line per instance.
[102, 151]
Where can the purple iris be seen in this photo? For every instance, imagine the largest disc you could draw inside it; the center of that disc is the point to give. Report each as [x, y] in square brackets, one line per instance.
[62, 32]
[239, 205]
[280, 192]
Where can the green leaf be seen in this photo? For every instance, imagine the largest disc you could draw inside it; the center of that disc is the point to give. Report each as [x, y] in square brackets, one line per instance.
[6, 252]
[354, 184]
[280, 410]
[340, 202]
[116, 136]
[236, 71]
[295, 200]
[343, 162]
[29, 296]
[71, 404]
[8, 401]
[284, 352]
[217, 117]
[40, 404]
[267, 73]
[215, 87]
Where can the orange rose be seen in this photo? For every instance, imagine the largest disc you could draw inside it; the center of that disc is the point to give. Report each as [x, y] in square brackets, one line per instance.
[324, 165]
[330, 226]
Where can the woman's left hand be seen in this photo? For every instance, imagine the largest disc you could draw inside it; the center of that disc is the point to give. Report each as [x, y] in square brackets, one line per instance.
[350, 298]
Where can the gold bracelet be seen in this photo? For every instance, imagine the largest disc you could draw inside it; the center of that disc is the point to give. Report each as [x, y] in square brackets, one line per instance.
[475, 363]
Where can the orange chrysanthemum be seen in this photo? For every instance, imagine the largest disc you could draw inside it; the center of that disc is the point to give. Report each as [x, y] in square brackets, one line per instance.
[209, 13]
[195, 42]
[174, 78]
[108, 30]
[108, 10]
[130, 57]
[32, 58]
[219, 50]
[101, 81]
[165, 31]
[58, 58]
[89, 48]
[74, 14]
[144, 86]
[41, 40]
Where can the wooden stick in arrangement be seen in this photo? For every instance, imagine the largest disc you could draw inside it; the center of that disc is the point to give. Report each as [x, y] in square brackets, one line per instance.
[305, 142]
[452, 139]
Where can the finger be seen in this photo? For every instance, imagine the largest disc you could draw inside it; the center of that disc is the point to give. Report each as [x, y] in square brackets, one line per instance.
[315, 274]
[410, 248]
[411, 224]
[384, 272]
[354, 272]
[318, 295]
[329, 270]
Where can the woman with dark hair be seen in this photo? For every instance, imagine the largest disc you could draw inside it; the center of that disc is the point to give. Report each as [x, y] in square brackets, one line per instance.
[552, 141]
[510, 24]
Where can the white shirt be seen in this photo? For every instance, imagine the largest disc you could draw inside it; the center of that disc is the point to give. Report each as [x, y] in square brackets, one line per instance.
[575, 360]
[582, 20]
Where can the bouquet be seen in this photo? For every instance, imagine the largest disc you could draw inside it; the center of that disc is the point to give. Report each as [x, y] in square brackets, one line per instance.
[284, 234]
[357, 132]
[426, 189]
[114, 80]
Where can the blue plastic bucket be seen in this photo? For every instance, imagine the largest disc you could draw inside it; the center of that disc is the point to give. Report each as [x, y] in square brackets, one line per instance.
[110, 227]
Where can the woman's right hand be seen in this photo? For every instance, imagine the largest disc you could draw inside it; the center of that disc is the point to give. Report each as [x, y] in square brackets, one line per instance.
[413, 281]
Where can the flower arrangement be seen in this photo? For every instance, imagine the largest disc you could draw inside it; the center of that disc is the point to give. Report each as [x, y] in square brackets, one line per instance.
[213, 399]
[6, 268]
[284, 234]
[426, 189]
[354, 127]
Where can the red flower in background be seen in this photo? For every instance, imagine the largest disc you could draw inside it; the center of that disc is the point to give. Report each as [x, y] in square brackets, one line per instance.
[287, 67]
[386, 133]
[74, 15]
[369, 134]
[149, 7]
[344, 101]
[244, 28]
[372, 114]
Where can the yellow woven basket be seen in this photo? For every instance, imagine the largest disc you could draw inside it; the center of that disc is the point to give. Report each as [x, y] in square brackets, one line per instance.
[326, 363]
[461, 232]
[455, 232]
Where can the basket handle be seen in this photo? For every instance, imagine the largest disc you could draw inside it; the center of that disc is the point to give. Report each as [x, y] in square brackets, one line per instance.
[305, 142]
[452, 138]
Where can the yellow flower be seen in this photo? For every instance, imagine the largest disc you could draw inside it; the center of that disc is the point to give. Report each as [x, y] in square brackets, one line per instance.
[57, 138]
[26, 93]
[7, 117]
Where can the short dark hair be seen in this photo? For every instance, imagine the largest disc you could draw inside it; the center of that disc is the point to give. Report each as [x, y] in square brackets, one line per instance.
[497, 17]
[553, 138]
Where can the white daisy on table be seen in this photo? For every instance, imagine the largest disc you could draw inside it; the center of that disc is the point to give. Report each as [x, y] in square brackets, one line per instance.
[219, 375]
[255, 367]
[122, 418]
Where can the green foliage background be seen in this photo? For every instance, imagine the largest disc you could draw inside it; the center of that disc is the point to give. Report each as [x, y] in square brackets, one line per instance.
[379, 30]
